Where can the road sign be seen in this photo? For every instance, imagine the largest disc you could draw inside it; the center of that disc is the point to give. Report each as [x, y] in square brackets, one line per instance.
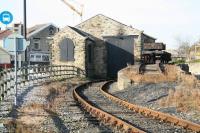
[9, 42]
[6, 17]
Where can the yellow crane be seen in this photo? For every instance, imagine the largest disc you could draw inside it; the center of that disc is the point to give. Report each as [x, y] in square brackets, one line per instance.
[79, 12]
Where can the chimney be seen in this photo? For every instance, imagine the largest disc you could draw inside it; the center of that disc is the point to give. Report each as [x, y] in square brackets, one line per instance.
[18, 28]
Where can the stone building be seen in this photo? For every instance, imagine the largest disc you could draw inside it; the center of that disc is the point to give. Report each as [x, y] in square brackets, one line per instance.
[100, 46]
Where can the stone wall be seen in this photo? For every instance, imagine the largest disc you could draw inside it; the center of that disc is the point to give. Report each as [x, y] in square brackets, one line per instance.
[96, 68]
[79, 49]
[100, 26]
[95, 28]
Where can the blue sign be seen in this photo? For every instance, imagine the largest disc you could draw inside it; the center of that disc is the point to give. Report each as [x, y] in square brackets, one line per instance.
[6, 17]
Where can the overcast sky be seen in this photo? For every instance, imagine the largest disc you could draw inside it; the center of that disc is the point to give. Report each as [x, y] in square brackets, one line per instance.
[163, 19]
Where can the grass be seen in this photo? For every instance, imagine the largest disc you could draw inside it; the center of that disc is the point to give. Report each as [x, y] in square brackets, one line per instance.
[179, 62]
[195, 61]
[169, 76]
[186, 95]
[34, 114]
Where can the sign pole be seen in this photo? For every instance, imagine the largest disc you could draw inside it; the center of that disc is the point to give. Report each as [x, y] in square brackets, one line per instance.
[15, 44]
[25, 20]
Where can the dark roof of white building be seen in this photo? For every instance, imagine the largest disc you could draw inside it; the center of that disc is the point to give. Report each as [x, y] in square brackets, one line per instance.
[37, 28]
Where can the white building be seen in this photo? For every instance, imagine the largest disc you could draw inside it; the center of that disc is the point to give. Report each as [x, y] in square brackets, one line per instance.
[5, 58]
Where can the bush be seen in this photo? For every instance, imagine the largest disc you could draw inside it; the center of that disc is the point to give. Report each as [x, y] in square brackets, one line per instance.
[178, 62]
[1, 69]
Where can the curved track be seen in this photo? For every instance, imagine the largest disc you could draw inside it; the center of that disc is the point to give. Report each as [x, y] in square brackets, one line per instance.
[92, 98]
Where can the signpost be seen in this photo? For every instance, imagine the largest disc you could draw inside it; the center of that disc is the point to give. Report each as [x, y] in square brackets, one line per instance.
[15, 45]
[6, 18]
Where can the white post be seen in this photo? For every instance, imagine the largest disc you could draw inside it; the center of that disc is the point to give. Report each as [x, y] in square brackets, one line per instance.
[15, 45]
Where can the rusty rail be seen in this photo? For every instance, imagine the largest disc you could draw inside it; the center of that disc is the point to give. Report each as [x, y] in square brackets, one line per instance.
[105, 117]
[151, 113]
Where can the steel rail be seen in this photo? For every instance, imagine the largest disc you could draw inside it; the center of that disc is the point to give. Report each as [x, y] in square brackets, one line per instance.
[101, 115]
[149, 112]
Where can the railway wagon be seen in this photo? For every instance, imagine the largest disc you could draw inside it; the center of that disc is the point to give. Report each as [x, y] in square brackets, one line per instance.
[153, 52]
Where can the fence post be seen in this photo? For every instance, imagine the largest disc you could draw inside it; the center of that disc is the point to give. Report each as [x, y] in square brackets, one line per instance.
[5, 83]
[60, 72]
[0, 86]
[39, 73]
[2, 90]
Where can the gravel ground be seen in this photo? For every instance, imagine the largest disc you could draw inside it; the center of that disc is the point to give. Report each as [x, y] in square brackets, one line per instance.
[95, 96]
[34, 114]
[148, 95]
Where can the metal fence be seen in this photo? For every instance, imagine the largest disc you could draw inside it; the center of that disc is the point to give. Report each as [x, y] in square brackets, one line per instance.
[37, 74]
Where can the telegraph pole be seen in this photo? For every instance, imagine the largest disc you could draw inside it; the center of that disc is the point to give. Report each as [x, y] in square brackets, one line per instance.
[24, 29]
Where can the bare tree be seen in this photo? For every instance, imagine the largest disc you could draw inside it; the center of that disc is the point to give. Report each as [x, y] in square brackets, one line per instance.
[183, 47]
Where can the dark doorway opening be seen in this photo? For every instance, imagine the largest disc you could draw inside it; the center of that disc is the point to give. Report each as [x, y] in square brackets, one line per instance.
[120, 51]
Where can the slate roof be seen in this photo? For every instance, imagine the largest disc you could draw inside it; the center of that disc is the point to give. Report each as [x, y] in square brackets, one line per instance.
[82, 33]
[34, 28]
[37, 28]
[5, 33]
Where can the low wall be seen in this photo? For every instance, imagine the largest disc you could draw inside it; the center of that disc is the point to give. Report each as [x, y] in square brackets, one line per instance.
[129, 76]
[194, 68]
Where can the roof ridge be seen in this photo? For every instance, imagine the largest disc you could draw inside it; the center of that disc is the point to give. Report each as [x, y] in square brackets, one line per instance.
[35, 29]
[108, 18]
[116, 22]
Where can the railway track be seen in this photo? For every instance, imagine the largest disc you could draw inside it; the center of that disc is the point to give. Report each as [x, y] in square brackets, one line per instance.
[94, 99]
[79, 120]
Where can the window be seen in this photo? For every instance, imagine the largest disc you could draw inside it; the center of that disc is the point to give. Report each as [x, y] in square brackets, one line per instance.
[51, 31]
[38, 56]
[36, 44]
[45, 57]
[66, 50]
[32, 56]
